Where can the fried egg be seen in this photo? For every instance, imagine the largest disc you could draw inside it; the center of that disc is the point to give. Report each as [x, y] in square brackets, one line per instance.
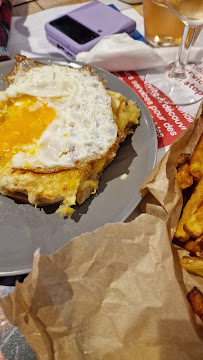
[55, 117]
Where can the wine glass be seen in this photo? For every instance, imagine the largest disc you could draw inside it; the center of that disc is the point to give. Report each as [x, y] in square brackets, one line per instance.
[182, 83]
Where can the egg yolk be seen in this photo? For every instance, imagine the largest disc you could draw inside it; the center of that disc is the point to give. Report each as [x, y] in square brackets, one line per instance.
[22, 122]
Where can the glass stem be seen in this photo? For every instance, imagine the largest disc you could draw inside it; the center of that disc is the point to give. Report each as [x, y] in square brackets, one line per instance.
[178, 71]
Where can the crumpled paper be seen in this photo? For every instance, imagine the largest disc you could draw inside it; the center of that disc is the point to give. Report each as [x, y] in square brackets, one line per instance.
[119, 52]
[118, 293]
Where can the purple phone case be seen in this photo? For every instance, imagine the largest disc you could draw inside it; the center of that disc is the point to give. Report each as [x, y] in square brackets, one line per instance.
[96, 16]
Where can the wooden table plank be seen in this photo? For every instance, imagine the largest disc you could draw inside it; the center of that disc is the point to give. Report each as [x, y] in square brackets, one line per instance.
[32, 7]
[18, 2]
[44, 4]
[26, 9]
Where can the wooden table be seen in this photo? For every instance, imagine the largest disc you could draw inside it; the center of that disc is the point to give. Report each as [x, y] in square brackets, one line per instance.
[27, 7]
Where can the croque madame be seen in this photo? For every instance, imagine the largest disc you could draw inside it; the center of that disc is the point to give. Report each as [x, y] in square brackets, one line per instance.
[60, 128]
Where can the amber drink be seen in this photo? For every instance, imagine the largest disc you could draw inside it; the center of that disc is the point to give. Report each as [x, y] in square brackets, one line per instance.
[162, 27]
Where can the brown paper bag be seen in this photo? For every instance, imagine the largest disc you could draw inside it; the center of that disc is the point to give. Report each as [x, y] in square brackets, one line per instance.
[117, 293]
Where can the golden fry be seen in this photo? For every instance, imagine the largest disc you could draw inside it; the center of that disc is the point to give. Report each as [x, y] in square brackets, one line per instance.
[194, 225]
[195, 247]
[192, 264]
[192, 205]
[196, 162]
[195, 298]
[183, 158]
[184, 177]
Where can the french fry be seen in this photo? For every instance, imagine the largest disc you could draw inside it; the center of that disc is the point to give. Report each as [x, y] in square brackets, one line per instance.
[184, 177]
[196, 161]
[194, 225]
[195, 247]
[195, 298]
[183, 158]
[190, 208]
[189, 231]
[192, 264]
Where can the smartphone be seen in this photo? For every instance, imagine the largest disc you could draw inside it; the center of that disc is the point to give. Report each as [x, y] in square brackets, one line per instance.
[81, 29]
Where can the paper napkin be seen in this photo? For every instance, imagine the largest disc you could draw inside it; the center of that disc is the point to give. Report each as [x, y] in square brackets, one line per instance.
[119, 52]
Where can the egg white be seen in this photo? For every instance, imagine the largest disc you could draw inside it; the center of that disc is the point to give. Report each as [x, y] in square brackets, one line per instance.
[84, 128]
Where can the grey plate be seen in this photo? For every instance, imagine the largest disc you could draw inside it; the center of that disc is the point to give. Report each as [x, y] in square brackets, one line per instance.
[24, 228]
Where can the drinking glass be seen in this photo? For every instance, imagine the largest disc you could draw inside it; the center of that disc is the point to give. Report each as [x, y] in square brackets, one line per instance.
[181, 84]
[162, 27]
